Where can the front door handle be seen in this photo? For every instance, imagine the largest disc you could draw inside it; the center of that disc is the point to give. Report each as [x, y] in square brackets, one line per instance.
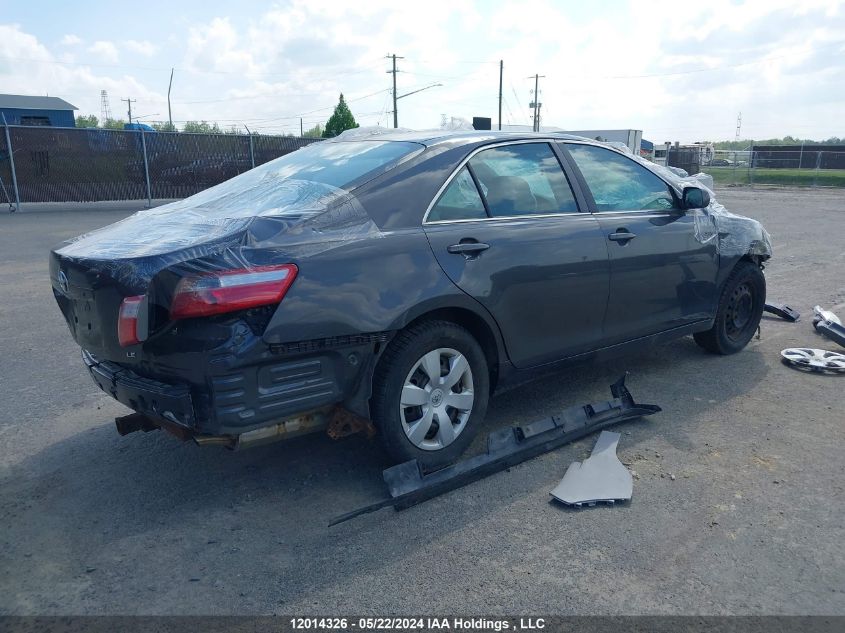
[468, 249]
[621, 235]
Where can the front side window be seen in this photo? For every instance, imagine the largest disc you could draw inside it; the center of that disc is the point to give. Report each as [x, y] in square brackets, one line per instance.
[522, 179]
[460, 200]
[618, 183]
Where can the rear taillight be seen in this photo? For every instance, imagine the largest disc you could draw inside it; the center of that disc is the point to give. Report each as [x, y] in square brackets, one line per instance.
[128, 332]
[224, 291]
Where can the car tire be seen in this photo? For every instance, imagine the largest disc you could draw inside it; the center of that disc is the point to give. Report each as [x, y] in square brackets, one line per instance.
[739, 312]
[408, 404]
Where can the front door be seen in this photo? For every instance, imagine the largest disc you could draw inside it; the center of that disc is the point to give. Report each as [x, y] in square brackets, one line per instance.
[507, 230]
[661, 275]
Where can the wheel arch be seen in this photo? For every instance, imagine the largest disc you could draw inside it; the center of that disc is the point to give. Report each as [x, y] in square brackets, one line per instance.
[481, 327]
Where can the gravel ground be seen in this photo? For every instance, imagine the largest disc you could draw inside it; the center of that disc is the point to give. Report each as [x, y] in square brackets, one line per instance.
[737, 505]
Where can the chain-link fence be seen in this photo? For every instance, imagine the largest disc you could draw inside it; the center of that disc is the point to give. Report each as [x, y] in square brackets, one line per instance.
[794, 167]
[88, 165]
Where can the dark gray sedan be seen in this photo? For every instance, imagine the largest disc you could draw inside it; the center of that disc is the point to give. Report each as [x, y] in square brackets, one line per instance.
[400, 278]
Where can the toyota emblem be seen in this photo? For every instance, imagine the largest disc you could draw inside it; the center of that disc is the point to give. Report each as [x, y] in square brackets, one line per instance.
[63, 281]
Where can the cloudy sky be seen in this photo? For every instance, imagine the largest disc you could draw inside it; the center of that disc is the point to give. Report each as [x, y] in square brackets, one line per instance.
[677, 70]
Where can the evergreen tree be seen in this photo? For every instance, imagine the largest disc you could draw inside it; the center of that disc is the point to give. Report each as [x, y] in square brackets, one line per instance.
[340, 121]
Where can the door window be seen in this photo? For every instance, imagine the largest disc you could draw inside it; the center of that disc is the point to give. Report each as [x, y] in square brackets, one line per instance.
[618, 183]
[460, 200]
[522, 179]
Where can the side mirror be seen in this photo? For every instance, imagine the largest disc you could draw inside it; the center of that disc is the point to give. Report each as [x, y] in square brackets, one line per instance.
[695, 198]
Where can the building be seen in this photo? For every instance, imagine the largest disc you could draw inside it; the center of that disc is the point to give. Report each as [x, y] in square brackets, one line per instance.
[34, 110]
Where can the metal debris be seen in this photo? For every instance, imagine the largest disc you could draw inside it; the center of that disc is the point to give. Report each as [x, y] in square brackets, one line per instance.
[343, 423]
[829, 325]
[599, 478]
[825, 315]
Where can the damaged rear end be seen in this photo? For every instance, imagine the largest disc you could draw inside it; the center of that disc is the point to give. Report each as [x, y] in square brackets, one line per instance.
[171, 305]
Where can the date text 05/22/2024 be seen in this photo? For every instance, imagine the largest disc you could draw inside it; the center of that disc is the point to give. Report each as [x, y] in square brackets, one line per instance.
[418, 623]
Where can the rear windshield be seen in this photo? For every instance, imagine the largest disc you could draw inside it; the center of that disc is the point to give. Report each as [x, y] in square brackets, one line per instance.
[298, 186]
[339, 163]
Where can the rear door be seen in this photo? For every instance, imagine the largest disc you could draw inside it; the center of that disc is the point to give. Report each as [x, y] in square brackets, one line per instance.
[661, 276]
[507, 230]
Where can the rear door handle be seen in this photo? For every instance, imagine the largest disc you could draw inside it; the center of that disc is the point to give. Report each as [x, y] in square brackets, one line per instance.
[621, 235]
[468, 249]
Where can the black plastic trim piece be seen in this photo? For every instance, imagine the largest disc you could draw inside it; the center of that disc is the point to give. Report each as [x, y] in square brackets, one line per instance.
[148, 397]
[329, 343]
[783, 311]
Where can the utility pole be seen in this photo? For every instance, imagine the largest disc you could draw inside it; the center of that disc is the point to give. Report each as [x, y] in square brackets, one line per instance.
[300, 127]
[501, 70]
[536, 103]
[738, 126]
[130, 102]
[169, 115]
[394, 71]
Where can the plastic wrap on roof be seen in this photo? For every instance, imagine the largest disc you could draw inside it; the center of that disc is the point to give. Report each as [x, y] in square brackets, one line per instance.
[704, 179]
[455, 124]
[368, 132]
[619, 145]
[735, 235]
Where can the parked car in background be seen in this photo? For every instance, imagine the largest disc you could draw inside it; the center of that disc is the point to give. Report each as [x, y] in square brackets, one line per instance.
[721, 162]
[401, 278]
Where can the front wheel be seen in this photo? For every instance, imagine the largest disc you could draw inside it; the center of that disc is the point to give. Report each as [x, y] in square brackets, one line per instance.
[739, 312]
[430, 393]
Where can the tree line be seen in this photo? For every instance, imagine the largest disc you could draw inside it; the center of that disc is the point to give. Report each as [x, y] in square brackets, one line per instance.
[340, 121]
[746, 144]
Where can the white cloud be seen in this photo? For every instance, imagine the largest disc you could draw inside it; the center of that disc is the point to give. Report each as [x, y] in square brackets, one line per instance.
[678, 74]
[28, 67]
[104, 51]
[70, 40]
[141, 47]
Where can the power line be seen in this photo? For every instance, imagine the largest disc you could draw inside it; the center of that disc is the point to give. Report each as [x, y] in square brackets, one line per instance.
[346, 71]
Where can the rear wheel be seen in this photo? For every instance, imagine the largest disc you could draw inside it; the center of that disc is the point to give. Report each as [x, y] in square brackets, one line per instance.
[740, 309]
[430, 393]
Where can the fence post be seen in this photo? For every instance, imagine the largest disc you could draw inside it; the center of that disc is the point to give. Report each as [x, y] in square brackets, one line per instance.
[251, 150]
[12, 164]
[734, 169]
[146, 169]
[751, 169]
[818, 166]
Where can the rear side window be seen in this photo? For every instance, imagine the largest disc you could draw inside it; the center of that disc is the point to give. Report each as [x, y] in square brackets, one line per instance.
[523, 179]
[460, 200]
[618, 183]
